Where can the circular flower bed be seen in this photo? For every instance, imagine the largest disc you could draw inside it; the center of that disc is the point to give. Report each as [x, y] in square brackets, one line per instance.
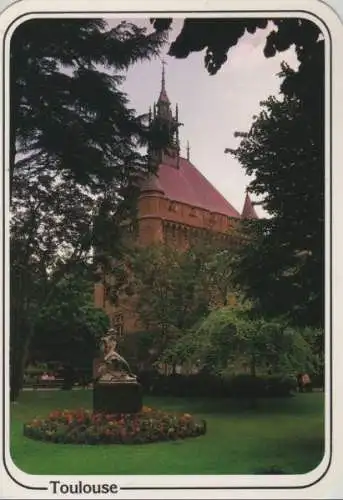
[85, 427]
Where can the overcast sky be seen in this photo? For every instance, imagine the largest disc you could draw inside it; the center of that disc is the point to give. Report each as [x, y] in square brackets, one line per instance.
[212, 108]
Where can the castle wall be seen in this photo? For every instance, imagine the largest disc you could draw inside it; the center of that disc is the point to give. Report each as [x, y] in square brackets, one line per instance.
[155, 212]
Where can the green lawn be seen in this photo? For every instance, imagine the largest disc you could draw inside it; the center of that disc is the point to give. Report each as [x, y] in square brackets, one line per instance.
[284, 433]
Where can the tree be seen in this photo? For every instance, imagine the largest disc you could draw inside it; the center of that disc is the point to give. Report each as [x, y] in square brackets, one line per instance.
[170, 292]
[282, 267]
[74, 157]
[174, 290]
[228, 336]
[218, 35]
[67, 110]
[219, 265]
[69, 327]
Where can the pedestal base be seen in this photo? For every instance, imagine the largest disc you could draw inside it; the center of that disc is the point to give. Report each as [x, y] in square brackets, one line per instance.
[117, 397]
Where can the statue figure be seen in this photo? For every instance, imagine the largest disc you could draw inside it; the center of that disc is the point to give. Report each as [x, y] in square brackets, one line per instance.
[113, 367]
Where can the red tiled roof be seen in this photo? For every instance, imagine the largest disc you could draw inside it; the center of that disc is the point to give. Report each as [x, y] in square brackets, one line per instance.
[187, 185]
[249, 211]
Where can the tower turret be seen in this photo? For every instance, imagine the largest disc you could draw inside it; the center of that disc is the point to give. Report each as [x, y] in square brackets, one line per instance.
[165, 125]
[249, 211]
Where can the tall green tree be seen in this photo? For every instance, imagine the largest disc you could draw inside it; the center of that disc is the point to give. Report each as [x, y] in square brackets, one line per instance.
[170, 291]
[282, 267]
[74, 157]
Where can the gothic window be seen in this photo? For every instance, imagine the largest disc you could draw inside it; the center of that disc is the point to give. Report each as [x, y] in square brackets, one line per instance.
[117, 323]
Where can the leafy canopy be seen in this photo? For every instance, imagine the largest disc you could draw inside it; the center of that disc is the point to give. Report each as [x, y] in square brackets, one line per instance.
[229, 337]
[75, 156]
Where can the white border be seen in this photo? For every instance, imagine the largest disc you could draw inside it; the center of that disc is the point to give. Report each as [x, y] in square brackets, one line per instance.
[103, 8]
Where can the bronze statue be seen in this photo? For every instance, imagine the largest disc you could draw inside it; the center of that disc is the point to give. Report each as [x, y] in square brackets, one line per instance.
[113, 367]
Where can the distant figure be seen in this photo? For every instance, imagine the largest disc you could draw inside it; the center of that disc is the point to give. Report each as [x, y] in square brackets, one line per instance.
[300, 382]
[304, 382]
[45, 376]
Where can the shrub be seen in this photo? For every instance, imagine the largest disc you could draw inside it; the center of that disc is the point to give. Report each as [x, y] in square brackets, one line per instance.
[280, 386]
[85, 427]
[245, 386]
[199, 385]
[209, 385]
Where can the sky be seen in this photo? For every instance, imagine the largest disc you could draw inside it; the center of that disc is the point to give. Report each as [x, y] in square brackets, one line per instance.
[212, 108]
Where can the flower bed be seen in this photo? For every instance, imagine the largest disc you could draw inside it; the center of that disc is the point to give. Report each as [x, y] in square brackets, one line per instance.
[85, 427]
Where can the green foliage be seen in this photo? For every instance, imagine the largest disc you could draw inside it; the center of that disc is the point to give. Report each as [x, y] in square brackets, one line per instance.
[219, 35]
[175, 290]
[215, 35]
[67, 108]
[84, 427]
[281, 268]
[229, 336]
[170, 291]
[69, 327]
[210, 385]
[74, 158]
[140, 349]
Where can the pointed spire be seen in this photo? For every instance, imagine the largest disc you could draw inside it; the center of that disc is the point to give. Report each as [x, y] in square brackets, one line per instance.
[188, 151]
[249, 211]
[177, 113]
[163, 94]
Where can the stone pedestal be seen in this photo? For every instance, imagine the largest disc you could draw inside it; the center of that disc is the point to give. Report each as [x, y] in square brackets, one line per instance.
[117, 397]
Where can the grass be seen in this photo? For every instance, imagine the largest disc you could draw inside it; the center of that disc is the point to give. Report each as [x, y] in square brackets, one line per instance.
[286, 434]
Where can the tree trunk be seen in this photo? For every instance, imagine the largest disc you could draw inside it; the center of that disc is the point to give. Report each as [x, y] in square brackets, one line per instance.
[20, 337]
[18, 360]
